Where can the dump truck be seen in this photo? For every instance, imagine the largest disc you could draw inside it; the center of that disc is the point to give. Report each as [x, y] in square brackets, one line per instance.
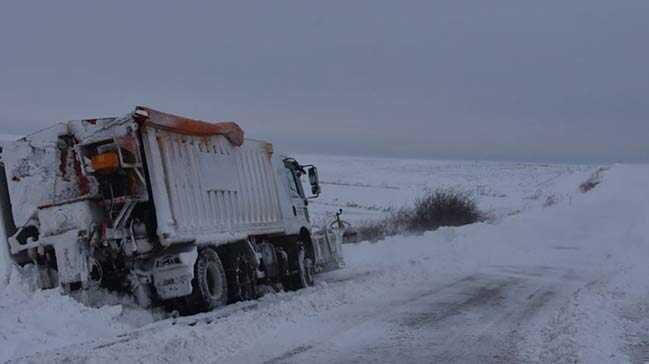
[178, 212]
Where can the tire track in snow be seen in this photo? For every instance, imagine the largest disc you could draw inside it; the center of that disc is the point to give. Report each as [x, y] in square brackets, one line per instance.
[481, 318]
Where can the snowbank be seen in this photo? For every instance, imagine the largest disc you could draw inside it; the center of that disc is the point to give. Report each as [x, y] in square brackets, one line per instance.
[32, 320]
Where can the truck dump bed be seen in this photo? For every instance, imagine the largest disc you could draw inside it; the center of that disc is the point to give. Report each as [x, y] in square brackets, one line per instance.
[207, 188]
[208, 185]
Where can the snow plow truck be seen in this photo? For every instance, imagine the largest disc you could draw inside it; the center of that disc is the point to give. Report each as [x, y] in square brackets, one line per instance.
[175, 211]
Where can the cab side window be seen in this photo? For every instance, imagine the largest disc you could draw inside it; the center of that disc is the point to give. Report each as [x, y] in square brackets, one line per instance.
[294, 183]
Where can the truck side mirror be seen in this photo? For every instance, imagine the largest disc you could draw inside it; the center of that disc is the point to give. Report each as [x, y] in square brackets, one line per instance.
[314, 181]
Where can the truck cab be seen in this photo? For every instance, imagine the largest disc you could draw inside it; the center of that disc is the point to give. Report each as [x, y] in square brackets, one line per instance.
[298, 200]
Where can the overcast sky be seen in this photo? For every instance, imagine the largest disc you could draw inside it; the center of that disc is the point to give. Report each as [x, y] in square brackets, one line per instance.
[501, 79]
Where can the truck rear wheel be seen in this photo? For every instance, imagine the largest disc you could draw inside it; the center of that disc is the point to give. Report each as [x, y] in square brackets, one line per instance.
[210, 288]
[244, 285]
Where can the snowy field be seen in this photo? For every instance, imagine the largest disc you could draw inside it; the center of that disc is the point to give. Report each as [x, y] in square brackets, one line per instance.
[557, 276]
[366, 188]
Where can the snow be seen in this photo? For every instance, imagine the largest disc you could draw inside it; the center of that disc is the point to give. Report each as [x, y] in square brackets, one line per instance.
[366, 188]
[8, 138]
[558, 276]
[32, 320]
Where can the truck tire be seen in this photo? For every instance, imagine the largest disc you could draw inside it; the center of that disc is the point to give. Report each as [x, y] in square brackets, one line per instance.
[210, 288]
[244, 285]
[304, 276]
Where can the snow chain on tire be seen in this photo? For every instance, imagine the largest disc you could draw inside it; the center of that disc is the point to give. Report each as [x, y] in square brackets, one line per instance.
[210, 288]
[304, 276]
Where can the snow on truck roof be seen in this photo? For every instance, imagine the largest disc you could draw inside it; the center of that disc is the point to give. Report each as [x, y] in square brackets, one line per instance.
[179, 124]
[184, 125]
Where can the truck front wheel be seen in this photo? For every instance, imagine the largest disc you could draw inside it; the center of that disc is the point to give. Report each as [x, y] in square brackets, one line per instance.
[303, 276]
[210, 288]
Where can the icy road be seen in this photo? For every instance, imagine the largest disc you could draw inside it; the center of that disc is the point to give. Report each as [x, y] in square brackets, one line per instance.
[560, 276]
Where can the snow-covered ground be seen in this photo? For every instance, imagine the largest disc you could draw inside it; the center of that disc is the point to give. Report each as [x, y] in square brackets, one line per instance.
[365, 188]
[7, 138]
[558, 276]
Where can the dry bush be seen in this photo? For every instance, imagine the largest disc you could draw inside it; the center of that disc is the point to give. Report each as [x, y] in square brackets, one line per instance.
[594, 180]
[444, 207]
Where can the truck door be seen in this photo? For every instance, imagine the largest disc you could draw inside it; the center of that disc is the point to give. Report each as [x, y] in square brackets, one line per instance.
[299, 210]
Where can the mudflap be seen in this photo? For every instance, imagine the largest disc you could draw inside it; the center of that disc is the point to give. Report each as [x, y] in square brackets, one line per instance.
[71, 257]
[173, 273]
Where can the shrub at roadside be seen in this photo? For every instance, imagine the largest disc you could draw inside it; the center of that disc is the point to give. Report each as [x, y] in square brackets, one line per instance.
[444, 207]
